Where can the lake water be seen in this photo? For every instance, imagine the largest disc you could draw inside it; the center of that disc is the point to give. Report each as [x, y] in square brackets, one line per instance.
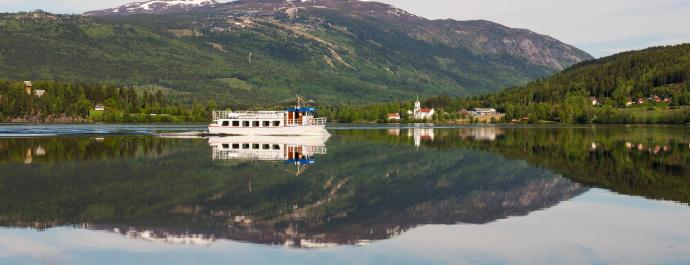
[116, 194]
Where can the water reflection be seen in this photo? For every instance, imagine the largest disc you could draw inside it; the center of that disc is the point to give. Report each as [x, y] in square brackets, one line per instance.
[371, 184]
[481, 133]
[297, 150]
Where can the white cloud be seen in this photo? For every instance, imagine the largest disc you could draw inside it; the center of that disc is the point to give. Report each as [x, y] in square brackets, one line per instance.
[601, 27]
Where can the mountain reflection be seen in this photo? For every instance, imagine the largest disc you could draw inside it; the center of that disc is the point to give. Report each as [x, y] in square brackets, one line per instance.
[369, 185]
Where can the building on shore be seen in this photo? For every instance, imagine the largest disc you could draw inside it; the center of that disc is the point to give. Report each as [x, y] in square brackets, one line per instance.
[629, 102]
[99, 107]
[393, 117]
[420, 113]
[39, 92]
[483, 112]
[28, 87]
[463, 113]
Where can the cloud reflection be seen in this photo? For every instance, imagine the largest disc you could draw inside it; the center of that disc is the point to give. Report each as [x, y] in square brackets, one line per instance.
[598, 227]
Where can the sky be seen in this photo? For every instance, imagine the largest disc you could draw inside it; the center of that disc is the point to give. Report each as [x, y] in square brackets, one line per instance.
[599, 27]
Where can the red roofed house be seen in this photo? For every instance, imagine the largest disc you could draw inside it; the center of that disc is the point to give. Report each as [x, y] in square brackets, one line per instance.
[393, 117]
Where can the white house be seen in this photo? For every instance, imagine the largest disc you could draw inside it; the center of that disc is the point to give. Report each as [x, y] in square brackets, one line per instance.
[99, 107]
[39, 92]
[420, 113]
[483, 111]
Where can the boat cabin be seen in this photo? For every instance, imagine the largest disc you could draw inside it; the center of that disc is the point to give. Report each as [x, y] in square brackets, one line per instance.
[266, 119]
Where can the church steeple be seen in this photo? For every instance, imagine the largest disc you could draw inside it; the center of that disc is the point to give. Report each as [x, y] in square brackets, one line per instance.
[417, 105]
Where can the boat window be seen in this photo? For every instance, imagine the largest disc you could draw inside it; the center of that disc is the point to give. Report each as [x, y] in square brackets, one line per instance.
[226, 123]
[276, 147]
[245, 146]
[226, 146]
[255, 124]
[235, 146]
[255, 146]
[235, 123]
[266, 147]
[276, 123]
[245, 124]
[267, 123]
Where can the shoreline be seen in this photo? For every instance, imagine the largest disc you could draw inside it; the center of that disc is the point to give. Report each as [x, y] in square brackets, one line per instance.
[363, 124]
[337, 126]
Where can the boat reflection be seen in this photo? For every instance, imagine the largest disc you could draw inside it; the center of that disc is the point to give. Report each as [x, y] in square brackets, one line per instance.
[297, 150]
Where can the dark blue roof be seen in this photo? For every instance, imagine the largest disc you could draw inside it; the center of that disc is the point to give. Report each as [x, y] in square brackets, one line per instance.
[303, 109]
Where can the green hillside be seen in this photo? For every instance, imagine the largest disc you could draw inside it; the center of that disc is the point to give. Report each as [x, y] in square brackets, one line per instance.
[662, 71]
[659, 77]
[200, 56]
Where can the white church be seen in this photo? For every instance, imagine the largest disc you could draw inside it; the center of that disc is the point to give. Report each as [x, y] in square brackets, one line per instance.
[420, 113]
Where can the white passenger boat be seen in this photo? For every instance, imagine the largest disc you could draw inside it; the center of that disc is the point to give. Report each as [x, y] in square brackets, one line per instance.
[292, 121]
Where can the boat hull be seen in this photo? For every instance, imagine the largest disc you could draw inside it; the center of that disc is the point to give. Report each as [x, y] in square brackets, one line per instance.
[303, 140]
[275, 131]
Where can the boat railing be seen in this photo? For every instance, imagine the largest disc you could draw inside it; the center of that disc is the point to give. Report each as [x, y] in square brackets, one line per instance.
[298, 122]
[217, 115]
[220, 154]
[275, 115]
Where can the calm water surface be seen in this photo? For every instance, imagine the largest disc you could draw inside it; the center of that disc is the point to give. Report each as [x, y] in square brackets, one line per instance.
[377, 195]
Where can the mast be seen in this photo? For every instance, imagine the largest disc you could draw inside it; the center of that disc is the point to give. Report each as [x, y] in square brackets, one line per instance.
[299, 101]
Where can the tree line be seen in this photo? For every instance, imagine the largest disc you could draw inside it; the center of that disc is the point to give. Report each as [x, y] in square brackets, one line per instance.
[49, 100]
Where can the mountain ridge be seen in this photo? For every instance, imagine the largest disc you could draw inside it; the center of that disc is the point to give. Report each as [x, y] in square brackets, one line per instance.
[522, 45]
[154, 7]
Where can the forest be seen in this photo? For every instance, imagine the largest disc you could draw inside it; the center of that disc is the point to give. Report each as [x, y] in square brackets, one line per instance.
[51, 101]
